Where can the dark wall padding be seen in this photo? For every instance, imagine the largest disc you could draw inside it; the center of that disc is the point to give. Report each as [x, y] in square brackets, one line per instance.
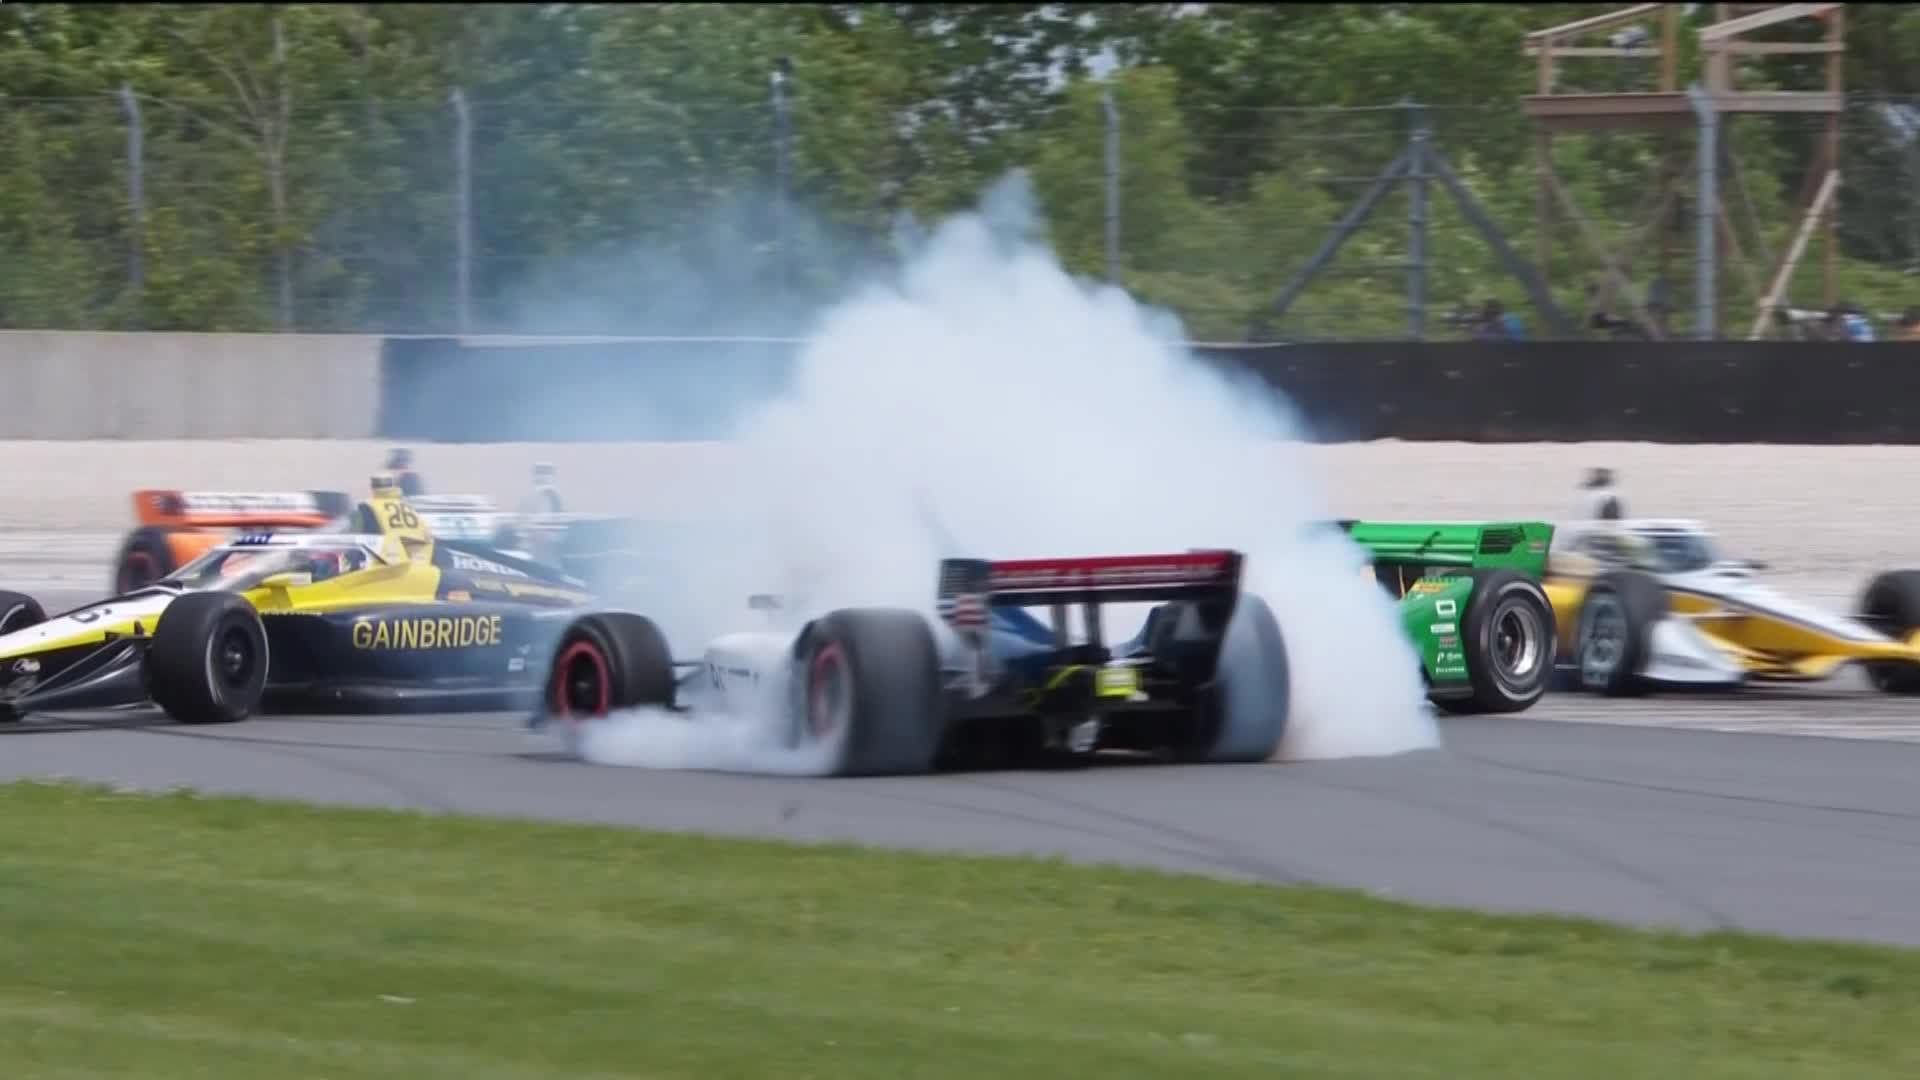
[438, 389]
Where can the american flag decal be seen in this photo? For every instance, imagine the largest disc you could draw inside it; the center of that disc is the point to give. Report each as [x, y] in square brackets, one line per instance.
[964, 609]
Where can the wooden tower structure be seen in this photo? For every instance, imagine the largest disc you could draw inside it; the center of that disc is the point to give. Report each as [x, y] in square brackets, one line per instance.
[1673, 111]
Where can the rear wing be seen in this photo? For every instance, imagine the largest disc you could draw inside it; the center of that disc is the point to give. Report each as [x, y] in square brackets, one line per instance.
[1517, 545]
[978, 584]
[169, 508]
[459, 517]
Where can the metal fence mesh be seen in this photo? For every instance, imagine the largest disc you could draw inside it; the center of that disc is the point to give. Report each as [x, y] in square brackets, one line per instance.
[493, 216]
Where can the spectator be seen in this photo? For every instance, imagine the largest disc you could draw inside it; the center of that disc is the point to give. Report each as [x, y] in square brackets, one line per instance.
[545, 496]
[1846, 322]
[400, 464]
[1496, 324]
[1600, 503]
[1909, 325]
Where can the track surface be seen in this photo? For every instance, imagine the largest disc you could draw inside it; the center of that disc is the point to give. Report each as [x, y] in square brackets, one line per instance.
[1626, 819]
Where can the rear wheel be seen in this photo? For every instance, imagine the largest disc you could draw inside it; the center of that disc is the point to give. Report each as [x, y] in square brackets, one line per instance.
[1891, 605]
[1615, 632]
[607, 662]
[867, 692]
[19, 611]
[1244, 714]
[1507, 636]
[208, 660]
[145, 558]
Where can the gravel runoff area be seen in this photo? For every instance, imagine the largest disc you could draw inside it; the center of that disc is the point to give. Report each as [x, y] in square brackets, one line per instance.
[1820, 516]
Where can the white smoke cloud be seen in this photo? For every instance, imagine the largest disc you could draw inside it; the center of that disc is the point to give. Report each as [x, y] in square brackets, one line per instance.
[1034, 414]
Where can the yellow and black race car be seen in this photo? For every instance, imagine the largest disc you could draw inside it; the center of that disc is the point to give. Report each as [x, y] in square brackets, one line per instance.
[368, 610]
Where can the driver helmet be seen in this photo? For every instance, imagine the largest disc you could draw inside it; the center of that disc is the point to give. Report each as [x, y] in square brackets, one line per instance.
[323, 565]
[1602, 503]
[384, 485]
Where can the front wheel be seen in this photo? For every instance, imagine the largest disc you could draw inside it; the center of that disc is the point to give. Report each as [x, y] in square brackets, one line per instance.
[208, 660]
[1615, 632]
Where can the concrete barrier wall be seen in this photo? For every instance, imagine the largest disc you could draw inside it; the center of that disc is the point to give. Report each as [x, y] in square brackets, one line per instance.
[67, 385]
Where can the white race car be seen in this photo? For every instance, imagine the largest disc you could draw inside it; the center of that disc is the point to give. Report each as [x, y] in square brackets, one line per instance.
[1644, 602]
[881, 690]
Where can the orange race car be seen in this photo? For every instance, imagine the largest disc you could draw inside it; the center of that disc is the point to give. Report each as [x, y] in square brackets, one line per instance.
[175, 527]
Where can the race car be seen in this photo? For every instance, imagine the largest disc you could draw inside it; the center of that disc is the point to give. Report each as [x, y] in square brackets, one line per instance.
[1643, 604]
[369, 611]
[983, 680]
[1471, 603]
[175, 527]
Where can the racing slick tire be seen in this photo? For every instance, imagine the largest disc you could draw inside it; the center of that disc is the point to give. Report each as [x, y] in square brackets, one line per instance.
[208, 660]
[606, 662]
[1507, 636]
[1891, 605]
[19, 611]
[144, 558]
[1243, 714]
[867, 693]
[1615, 632]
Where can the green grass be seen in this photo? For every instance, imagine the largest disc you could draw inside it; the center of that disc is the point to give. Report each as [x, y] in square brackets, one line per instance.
[182, 936]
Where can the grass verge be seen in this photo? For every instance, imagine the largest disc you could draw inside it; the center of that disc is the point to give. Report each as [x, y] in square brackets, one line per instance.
[184, 936]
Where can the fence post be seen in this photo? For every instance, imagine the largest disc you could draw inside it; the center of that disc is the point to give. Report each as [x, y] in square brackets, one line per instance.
[1706, 206]
[136, 203]
[1417, 222]
[782, 131]
[1113, 183]
[463, 213]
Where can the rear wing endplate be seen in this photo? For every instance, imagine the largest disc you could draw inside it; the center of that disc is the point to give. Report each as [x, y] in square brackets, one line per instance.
[172, 508]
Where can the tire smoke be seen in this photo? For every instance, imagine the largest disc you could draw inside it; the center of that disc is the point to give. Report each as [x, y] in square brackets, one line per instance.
[982, 401]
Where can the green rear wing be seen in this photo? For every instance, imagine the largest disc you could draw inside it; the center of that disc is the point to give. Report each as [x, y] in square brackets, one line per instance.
[1520, 546]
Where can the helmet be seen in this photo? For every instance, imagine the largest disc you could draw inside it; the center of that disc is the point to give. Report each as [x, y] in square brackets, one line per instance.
[384, 486]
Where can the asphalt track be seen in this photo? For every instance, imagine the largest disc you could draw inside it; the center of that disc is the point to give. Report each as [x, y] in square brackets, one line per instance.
[1628, 820]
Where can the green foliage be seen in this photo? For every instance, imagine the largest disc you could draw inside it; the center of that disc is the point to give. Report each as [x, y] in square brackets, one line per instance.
[298, 165]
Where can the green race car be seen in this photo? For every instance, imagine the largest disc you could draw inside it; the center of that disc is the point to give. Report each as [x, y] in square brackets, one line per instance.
[1471, 602]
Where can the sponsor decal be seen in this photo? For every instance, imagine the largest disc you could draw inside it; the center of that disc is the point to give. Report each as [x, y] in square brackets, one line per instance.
[254, 540]
[514, 588]
[473, 565]
[223, 502]
[459, 596]
[1445, 608]
[428, 632]
[720, 673]
[1441, 628]
[1422, 587]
